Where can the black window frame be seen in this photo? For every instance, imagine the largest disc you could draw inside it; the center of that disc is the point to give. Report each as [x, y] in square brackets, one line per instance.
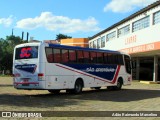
[19, 52]
[70, 61]
[107, 57]
[62, 56]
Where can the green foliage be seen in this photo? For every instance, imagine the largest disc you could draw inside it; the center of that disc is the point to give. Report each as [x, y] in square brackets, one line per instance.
[62, 36]
[7, 47]
[6, 51]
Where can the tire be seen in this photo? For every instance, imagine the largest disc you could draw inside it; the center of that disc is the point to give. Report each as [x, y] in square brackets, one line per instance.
[78, 87]
[119, 84]
[54, 91]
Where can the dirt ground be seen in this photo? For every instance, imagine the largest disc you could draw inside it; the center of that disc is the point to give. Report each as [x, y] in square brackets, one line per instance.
[137, 97]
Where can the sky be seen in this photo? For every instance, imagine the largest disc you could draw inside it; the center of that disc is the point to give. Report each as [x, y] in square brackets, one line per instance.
[44, 19]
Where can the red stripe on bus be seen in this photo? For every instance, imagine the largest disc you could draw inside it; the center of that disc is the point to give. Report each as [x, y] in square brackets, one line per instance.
[26, 82]
[113, 81]
[116, 75]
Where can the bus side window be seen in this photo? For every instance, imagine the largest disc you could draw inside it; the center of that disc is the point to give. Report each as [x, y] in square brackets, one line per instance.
[110, 59]
[120, 59]
[65, 56]
[105, 58]
[49, 55]
[93, 57]
[72, 56]
[115, 57]
[80, 56]
[57, 55]
[86, 57]
[100, 58]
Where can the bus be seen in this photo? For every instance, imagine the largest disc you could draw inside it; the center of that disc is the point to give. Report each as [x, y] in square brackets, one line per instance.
[54, 67]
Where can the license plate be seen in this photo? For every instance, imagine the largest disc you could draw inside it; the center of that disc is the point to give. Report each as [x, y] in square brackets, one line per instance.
[25, 84]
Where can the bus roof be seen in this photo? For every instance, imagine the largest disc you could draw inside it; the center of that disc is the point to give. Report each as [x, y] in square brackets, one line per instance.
[71, 47]
[82, 48]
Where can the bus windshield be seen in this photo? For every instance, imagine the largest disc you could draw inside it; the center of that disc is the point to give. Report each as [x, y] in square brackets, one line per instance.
[128, 64]
[28, 52]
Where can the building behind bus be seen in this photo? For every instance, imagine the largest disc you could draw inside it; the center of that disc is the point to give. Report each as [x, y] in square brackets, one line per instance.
[137, 35]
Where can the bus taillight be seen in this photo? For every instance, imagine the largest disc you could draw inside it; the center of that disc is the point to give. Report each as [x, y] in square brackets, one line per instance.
[40, 76]
[16, 75]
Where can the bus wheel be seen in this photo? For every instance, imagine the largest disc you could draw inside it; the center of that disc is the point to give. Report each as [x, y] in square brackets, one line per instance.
[119, 84]
[78, 87]
[54, 91]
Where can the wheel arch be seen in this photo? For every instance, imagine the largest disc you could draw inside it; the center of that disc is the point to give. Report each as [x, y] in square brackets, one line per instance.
[80, 79]
[121, 79]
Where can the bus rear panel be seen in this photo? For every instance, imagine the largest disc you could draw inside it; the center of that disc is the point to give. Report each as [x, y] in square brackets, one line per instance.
[26, 67]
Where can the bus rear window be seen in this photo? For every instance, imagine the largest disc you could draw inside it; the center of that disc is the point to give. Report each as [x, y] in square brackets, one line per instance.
[28, 52]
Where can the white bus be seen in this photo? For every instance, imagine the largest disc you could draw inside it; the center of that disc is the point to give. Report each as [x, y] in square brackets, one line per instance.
[52, 67]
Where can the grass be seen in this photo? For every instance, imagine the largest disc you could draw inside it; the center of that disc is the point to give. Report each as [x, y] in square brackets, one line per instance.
[137, 97]
[1, 75]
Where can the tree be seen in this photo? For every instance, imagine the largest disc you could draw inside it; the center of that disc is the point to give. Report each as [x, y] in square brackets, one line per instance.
[62, 36]
[6, 51]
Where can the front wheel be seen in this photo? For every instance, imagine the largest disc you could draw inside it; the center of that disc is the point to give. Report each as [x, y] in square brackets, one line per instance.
[119, 85]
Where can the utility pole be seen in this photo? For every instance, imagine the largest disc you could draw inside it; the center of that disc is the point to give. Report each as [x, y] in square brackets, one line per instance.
[22, 35]
[27, 36]
[12, 31]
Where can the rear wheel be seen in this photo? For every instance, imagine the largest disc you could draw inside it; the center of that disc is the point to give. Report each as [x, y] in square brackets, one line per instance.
[78, 87]
[54, 91]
